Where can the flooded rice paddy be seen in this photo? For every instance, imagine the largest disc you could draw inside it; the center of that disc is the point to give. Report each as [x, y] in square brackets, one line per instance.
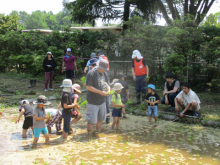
[138, 142]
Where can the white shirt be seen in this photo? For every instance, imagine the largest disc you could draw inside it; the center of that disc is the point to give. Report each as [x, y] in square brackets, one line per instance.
[52, 111]
[189, 97]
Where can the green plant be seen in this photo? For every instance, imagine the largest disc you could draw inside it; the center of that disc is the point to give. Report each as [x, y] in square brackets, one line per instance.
[82, 80]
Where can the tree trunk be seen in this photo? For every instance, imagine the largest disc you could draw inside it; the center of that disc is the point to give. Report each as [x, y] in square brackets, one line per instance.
[126, 14]
[164, 12]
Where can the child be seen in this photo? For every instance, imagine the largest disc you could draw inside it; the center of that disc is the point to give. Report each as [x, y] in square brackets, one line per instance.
[152, 100]
[117, 105]
[27, 111]
[76, 89]
[39, 119]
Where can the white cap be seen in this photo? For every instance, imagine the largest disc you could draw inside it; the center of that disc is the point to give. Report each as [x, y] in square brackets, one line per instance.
[68, 50]
[49, 53]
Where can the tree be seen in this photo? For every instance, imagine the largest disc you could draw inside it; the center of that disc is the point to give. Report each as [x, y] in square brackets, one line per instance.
[212, 20]
[36, 21]
[195, 9]
[88, 11]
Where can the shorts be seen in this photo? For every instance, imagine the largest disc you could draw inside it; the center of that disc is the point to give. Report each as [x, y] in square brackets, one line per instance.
[124, 100]
[117, 112]
[28, 122]
[66, 121]
[70, 74]
[95, 113]
[152, 111]
[37, 131]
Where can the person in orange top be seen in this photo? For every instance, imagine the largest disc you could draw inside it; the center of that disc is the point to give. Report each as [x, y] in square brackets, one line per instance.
[139, 71]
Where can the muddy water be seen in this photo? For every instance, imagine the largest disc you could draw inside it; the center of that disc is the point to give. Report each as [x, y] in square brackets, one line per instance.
[138, 142]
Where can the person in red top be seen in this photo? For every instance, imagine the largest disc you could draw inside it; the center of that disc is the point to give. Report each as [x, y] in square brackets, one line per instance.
[139, 71]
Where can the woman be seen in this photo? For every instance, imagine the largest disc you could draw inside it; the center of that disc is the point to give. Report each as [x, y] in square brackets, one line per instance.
[49, 65]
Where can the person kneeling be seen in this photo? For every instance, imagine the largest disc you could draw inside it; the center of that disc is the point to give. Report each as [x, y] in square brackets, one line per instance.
[188, 100]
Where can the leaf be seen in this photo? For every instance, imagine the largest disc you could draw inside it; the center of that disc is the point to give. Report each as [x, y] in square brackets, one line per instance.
[84, 103]
[128, 102]
[111, 92]
[82, 80]
[48, 115]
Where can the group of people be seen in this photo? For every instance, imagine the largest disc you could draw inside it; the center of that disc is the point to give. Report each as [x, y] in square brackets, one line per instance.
[98, 92]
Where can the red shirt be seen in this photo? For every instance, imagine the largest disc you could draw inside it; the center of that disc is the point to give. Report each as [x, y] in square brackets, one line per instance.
[139, 68]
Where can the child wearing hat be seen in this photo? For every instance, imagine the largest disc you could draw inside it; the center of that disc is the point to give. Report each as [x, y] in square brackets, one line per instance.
[40, 116]
[152, 99]
[27, 111]
[117, 105]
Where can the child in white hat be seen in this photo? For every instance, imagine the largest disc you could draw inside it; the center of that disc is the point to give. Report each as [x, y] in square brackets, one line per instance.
[117, 105]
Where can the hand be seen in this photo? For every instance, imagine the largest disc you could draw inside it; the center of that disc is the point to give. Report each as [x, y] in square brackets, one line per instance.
[123, 106]
[134, 77]
[181, 114]
[17, 121]
[103, 93]
[62, 70]
[46, 117]
[152, 103]
[84, 71]
[176, 108]
[76, 70]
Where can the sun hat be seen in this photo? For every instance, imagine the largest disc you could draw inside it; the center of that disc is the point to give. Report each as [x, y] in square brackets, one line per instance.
[93, 55]
[42, 100]
[99, 51]
[136, 54]
[117, 86]
[114, 81]
[68, 50]
[152, 86]
[93, 61]
[102, 64]
[24, 102]
[76, 87]
[49, 53]
[67, 83]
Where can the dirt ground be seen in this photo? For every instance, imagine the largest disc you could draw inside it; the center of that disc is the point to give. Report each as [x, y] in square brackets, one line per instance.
[137, 141]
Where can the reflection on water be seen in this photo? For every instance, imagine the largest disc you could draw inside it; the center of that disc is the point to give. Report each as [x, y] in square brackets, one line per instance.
[138, 142]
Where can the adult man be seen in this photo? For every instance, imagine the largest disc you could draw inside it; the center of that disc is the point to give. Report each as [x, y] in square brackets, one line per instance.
[97, 85]
[188, 100]
[88, 66]
[139, 70]
[69, 63]
[102, 56]
[171, 90]
[124, 92]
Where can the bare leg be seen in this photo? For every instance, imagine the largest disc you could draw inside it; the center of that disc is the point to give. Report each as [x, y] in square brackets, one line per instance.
[118, 122]
[98, 125]
[47, 138]
[49, 130]
[65, 135]
[194, 105]
[35, 141]
[90, 127]
[149, 118]
[166, 100]
[32, 130]
[180, 102]
[114, 122]
[73, 80]
[24, 133]
[155, 119]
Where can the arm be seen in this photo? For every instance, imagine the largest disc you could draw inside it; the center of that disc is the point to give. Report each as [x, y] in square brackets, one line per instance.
[115, 105]
[59, 106]
[19, 117]
[187, 108]
[134, 77]
[86, 68]
[39, 118]
[75, 66]
[147, 70]
[176, 104]
[172, 91]
[165, 92]
[94, 90]
[63, 65]
[76, 108]
[127, 93]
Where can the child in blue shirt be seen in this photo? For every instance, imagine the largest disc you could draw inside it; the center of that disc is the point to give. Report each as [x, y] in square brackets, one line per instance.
[152, 99]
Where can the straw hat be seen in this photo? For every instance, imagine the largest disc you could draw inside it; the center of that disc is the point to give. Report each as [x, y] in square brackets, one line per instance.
[76, 87]
[117, 86]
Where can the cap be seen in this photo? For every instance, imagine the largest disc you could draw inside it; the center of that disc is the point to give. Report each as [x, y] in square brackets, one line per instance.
[102, 64]
[68, 50]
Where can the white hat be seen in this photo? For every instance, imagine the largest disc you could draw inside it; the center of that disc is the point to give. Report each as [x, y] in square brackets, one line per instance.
[68, 50]
[117, 86]
[67, 83]
[137, 54]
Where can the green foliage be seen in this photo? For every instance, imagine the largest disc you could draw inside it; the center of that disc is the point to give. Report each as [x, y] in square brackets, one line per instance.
[82, 80]
[176, 64]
